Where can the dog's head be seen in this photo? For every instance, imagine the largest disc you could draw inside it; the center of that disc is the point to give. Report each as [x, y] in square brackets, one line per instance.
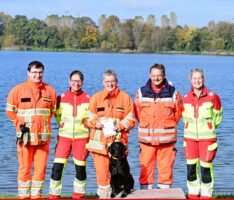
[117, 150]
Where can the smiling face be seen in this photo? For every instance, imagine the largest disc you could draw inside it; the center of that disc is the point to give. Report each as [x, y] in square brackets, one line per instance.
[110, 83]
[157, 77]
[36, 74]
[75, 83]
[197, 80]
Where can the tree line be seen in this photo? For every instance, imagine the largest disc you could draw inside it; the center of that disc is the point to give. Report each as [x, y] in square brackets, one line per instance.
[112, 34]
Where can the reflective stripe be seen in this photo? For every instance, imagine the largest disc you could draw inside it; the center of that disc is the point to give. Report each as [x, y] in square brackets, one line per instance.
[21, 112]
[79, 186]
[164, 186]
[212, 147]
[156, 130]
[70, 120]
[193, 187]
[125, 123]
[60, 160]
[149, 139]
[192, 161]
[55, 187]
[91, 115]
[24, 183]
[40, 136]
[11, 108]
[96, 145]
[202, 135]
[36, 188]
[97, 135]
[76, 134]
[79, 162]
[207, 189]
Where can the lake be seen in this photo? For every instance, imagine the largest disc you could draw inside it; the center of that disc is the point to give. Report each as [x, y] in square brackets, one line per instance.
[133, 72]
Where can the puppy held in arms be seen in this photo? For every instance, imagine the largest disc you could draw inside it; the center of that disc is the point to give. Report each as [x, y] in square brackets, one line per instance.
[121, 179]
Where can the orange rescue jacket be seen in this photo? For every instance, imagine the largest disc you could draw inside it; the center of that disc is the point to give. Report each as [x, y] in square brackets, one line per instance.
[116, 105]
[32, 104]
[158, 114]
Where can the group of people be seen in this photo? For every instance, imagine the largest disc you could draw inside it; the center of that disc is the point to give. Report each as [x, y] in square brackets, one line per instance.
[157, 107]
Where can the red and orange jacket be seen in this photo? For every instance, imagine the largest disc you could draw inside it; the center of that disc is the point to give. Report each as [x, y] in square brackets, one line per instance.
[158, 114]
[201, 115]
[116, 105]
[32, 104]
[71, 114]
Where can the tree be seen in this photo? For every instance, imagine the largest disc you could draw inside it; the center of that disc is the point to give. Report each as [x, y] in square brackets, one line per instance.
[90, 37]
[137, 30]
[165, 22]
[173, 20]
[17, 27]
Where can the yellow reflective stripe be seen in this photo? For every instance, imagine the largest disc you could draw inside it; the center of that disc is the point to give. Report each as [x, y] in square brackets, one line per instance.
[156, 130]
[212, 147]
[37, 111]
[192, 161]
[184, 144]
[206, 164]
[200, 135]
[70, 120]
[156, 138]
[11, 108]
[55, 187]
[96, 145]
[41, 136]
[24, 183]
[79, 162]
[37, 183]
[60, 160]
[79, 186]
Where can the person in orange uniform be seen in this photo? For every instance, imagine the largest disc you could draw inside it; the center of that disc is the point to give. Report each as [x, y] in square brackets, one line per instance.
[73, 135]
[116, 106]
[30, 106]
[158, 110]
[202, 114]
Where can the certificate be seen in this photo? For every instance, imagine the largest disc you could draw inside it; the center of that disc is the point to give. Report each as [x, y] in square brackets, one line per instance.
[108, 129]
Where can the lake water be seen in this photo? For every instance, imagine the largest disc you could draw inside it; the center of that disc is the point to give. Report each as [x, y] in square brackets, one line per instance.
[133, 71]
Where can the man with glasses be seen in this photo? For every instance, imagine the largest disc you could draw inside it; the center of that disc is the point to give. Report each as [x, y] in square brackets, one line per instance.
[73, 135]
[110, 109]
[158, 110]
[30, 106]
[202, 114]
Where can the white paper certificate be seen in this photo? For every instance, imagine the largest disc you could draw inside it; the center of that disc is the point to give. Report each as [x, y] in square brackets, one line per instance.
[108, 129]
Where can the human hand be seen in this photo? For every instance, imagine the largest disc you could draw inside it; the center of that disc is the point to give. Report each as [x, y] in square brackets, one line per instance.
[99, 125]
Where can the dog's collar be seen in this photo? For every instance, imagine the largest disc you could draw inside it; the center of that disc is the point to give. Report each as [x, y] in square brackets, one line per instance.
[117, 158]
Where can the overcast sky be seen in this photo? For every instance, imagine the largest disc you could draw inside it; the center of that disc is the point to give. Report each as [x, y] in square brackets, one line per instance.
[191, 12]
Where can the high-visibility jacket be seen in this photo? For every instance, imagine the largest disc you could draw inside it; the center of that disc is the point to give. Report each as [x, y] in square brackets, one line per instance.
[158, 114]
[116, 105]
[201, 115]
[32, 104]
[71, 114]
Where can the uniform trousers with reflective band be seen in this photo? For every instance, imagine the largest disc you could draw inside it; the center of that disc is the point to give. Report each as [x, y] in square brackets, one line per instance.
[101, 164]
[200, 153]
[37, 155]
[65, 147]
[164, 157]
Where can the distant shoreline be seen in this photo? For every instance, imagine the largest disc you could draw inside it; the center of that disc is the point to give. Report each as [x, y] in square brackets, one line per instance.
[124, 51]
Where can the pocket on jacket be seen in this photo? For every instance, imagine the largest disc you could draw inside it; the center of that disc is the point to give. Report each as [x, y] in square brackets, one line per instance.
[211, 152]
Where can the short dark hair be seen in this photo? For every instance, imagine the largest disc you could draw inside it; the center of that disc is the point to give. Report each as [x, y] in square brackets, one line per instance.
[35, 64]
[160, 67]
[79, 73]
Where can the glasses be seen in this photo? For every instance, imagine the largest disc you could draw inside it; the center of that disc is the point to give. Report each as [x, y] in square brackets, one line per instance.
[35, 72]
[76, 81]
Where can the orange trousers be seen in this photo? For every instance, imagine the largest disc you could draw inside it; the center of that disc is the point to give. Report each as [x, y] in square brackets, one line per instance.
[164, 156]
[101, 164]
[36, 155]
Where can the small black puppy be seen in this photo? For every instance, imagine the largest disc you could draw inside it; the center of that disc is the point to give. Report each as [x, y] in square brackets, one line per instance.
[121, 179]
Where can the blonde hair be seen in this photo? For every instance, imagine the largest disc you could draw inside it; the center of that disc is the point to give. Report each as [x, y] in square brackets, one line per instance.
[196, 70]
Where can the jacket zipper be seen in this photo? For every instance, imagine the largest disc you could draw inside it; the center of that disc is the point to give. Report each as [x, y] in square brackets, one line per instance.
[74, 116]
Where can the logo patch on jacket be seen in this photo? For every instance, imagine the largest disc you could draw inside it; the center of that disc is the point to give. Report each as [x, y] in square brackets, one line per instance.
[119, 109]
[26, 99]
[46, 99]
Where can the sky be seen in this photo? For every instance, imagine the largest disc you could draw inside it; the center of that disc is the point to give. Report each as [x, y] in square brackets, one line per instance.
[196, 13]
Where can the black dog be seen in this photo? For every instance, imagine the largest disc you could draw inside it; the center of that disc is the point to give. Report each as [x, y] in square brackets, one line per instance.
[121, 179]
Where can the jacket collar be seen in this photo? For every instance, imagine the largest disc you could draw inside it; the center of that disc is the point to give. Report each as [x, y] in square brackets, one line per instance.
[33, 84]
[205, 91]
[111, 94]
[75, 93]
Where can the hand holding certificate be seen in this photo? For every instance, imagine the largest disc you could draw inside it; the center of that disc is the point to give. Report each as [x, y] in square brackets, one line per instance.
[109, 127]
